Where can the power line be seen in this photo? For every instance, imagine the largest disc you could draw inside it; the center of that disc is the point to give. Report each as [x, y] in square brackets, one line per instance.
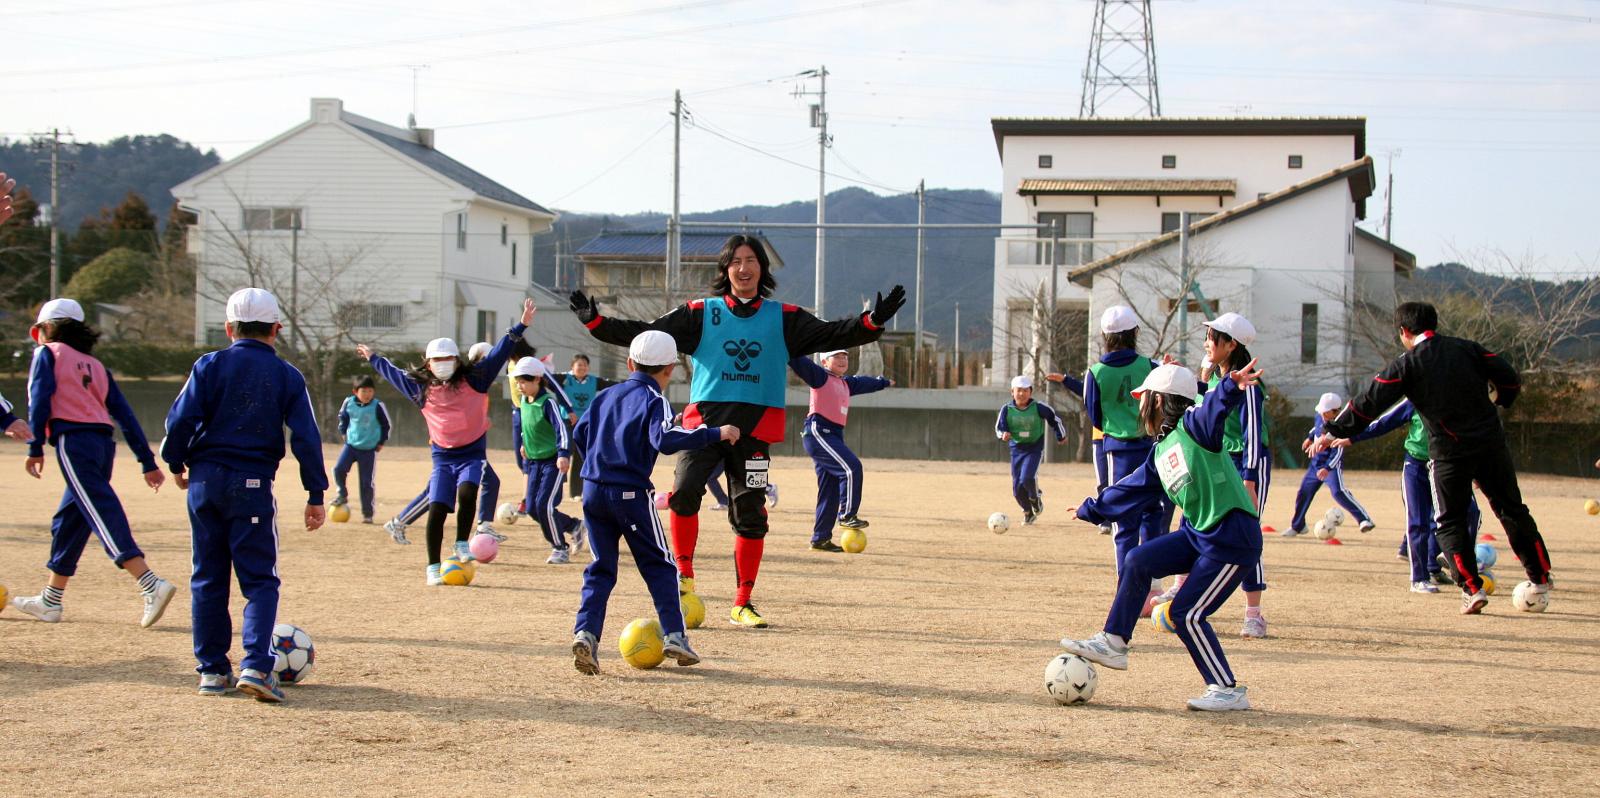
[1511, 12]
[608, 170]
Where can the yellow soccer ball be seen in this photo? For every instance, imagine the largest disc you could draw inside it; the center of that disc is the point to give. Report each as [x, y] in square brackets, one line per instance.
[1161, 617]
[339, 514]
[641, 644]
[694, 610]
[5, 598]
[853, 541]
[1591, 507]
[1488, 582]
[457, 573]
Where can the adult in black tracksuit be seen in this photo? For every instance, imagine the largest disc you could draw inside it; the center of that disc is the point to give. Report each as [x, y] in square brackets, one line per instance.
[740, 345]
[1448, 381]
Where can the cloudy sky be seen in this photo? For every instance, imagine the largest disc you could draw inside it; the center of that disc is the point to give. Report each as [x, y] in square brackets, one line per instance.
[1489, 109]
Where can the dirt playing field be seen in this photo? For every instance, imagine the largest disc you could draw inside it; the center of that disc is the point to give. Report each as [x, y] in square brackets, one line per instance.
[912, 669]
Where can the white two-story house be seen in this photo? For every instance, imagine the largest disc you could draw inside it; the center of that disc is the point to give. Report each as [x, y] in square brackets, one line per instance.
[1273, 206]
[365, 231]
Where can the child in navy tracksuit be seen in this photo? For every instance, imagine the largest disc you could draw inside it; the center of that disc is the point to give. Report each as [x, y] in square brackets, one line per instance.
[453, 396]
[626, 427]
[73, 400]
[838, 469]
[544, 454]
[1325, 468]
[364, 423]
[1420, 545]
[224, 442]
[1023, 423]
[1218, 541]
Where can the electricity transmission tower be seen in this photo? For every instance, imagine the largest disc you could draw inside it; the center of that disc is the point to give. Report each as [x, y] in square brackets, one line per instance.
[1121, 63]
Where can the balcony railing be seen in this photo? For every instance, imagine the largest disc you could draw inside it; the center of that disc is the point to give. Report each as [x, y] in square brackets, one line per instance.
[1072, 252]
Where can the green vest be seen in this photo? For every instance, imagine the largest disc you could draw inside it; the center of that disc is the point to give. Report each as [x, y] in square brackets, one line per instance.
[1203, 483]
[1025, 424]
[538, 437]
[1233, 428]
[1119, 411]
[1417, 437]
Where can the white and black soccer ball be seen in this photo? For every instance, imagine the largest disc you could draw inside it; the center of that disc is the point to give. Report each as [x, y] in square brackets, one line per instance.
[1334, 516]
[1070, 679]
[999, 523]
[1528, 598]
[293, 655]
[506, 513]
[1324, 530]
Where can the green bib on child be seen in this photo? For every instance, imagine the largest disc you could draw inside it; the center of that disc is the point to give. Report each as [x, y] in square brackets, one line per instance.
[1201, 482]
[1417, 437]
[538, 437]
[1025, 423]
[1119, 411]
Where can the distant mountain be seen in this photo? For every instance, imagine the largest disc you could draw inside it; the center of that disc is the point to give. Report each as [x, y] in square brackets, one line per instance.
[958, 265]
[95, 176]
[1512, 295]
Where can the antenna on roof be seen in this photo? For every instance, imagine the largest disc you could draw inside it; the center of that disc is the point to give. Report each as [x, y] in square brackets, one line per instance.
[1122, 59]
[411, 118]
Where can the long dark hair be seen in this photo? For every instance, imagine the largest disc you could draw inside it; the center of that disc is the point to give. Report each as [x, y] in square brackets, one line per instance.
[71, 332]
[1127, 339]
[1238, 359]
[424, 375]
[722, 286]
[1159, 422]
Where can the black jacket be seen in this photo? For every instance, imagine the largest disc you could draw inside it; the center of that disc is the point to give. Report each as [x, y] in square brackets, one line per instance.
[1448, 381]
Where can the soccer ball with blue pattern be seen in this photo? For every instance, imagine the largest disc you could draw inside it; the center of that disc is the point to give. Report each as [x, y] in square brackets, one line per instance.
[292, 653]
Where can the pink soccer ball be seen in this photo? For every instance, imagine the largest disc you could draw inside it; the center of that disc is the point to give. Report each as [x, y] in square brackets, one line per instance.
[662, 499]
[484, 547]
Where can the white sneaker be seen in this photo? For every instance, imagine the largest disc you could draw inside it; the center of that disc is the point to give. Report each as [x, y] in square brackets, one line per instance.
[1254, 627]
[584, 657]
[772, 495]
[485, 528]
[676, 646]
[580, 538]
[1105, 529]
[397, 531]
[1367, 526]
[1473, 603]
[433, 575]
[156, 601]
[1099, 649]
[35, 606]
[559, 557]
[1291, 532]
[1168, 594]
[464, 552]
[1424, 586]
[719, 507]
[217, 683]
[1221, 699]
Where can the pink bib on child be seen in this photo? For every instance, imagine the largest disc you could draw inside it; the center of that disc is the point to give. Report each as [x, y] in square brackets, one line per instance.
[456, 414]
[832, 400]
[81, 387]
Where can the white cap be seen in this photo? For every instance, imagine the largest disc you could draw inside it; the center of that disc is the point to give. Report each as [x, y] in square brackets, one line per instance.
[1022, 381]
[253, 305]
[476, 352]
[1237, 327]
[1118, 318]
[1171, 378]
[60, 309]
[653, 348]
[826, 355]
[528, 367]
[1329, 401]
[442, 347]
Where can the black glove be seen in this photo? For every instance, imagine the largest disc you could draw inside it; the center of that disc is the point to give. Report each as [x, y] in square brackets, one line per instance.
[886, 307]
[587, 309]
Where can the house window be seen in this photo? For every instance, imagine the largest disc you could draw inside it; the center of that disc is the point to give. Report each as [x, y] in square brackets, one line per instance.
[373, 315]
[504, 233]
[486, 325]
[1046, 161]
[1169, 162]
[1067, 225]
[273, 219]
[217, 336]
[1170, 222]
[461, 231]
[1308, 332]
[1295, 162]
[513, 259]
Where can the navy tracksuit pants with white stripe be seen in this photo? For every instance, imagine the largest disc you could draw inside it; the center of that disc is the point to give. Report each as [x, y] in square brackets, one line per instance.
[614, 513]
[838, 475]
[1421, 544]
[544, 493]
[88, 506]
[1208, 587]
[1311, 483]
[234, 525]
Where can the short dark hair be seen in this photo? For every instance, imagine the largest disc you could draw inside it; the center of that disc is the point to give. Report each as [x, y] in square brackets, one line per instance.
[252, 329]
[652, 369]
[363, 381]
[71, 332]
[720, 285]
[580, 356]
[1416, 317]
[1127, 339]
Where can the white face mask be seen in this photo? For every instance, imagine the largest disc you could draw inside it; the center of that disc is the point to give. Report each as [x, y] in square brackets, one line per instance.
[443, 369]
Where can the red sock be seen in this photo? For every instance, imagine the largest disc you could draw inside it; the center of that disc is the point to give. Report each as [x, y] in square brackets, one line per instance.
[685, 533]
[746, 563]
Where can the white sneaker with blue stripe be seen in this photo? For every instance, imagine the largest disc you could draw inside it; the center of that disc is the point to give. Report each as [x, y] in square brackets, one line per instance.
[1221, 699]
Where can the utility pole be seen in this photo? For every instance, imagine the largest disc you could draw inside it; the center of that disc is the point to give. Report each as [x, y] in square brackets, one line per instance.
[819, 120]
[1183, 295]
[916, 344]
[55, 212]
[674, 232]
[1388, 199]
[958, 344]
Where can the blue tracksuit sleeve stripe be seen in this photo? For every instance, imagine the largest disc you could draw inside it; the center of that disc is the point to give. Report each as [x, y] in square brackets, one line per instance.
[1091, 400]
[1397, 417]
[1253, 423]
[861, 385]
[41, 387]
[560, 394]
[117, 405]
[1000, 423]
[383, 423]
[305, 440]
[488, 370]
[398, 378]
[808, 371]
[1054, 420]
[558, 422]
[669, 439]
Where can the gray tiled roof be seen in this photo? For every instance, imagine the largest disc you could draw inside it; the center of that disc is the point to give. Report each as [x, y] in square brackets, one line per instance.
[451, 168]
